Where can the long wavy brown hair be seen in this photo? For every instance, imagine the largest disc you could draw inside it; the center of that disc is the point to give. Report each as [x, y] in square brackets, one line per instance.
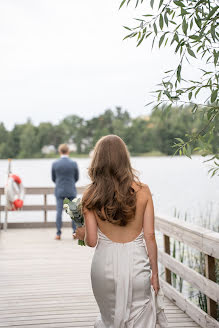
[110, 193]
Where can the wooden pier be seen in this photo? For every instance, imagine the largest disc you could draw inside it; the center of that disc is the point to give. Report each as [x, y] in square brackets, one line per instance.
[46, 283]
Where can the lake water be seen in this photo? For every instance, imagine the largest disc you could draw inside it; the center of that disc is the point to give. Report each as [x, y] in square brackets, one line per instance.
[175, 182]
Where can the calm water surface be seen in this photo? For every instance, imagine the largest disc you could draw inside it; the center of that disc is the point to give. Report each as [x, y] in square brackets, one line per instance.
[176, 183]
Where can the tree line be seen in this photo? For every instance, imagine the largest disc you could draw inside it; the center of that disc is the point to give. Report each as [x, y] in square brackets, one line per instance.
[144, 134]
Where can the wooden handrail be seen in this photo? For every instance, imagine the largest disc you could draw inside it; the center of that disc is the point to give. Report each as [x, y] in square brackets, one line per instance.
[194, 312]
[42, 190]
[205, 241]
[206, 286]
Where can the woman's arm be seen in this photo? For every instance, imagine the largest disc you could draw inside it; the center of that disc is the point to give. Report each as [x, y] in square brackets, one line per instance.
[90, 229]
[149, 235]
[89, 232]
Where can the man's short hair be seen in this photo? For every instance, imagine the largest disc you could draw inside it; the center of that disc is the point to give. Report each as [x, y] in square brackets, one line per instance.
[63, 149]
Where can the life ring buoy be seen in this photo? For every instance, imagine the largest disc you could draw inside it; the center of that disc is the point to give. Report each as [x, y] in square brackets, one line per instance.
[14, 192]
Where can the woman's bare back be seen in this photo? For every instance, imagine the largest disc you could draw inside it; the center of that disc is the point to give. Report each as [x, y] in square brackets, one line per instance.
[124, 234]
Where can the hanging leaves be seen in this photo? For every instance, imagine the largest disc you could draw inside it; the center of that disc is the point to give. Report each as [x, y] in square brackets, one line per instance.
[152, 3]
[122, 3]
[141, 39]
[184, 26]
[179, 3]
[179, 73]
[192, 29]
[190, 51]
[214, 96]
[166, 19]
[161, 21]
[160, 4]
[161, 40]
[155, 28]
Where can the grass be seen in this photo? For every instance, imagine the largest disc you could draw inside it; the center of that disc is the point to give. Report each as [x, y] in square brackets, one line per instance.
[77, 155]
[154, 153]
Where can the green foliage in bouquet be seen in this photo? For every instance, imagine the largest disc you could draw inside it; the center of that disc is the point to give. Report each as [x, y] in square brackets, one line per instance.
[74, 210]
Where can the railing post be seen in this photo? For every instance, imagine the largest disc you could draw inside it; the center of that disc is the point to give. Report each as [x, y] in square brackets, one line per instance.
[6, 219]
[211, 274]
[45, 210]
[0, 213]
[166, 240]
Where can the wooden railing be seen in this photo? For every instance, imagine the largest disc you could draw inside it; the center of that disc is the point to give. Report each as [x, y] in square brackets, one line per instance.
[44, 206]
[203, 240]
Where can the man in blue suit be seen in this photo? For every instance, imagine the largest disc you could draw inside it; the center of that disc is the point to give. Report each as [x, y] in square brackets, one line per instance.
[65, 174]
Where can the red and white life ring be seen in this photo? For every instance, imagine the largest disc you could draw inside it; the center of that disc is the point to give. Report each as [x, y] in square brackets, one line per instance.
[14, 192]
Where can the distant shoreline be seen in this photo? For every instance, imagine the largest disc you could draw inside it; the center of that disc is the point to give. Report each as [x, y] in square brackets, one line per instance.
[77, 155]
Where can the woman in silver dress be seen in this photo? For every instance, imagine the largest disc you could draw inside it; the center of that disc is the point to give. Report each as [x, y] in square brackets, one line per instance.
[119, 218]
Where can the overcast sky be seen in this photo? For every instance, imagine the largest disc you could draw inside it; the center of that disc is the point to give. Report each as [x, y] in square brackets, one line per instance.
[63, 57]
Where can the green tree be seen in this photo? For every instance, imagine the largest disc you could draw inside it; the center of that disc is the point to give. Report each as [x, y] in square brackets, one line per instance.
[13, 142]
[110, 122]
[138, 136]
[59, 135]
[45, 135]
[4, 151]
[28, 141]
[3, 133]
[100, 126]
[74, 129]
[172, 124]
[141, 134]
[191, 28]
[121, 122]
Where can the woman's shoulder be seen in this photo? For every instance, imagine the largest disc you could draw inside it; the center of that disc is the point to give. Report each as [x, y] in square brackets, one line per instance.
[141, 189]
[140, 186]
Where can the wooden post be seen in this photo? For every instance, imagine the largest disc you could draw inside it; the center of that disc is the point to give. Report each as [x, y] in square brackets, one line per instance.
[0, 214]
[6, 200]
[211, 274]
[166, 240]
[6, 215]
[45, 210]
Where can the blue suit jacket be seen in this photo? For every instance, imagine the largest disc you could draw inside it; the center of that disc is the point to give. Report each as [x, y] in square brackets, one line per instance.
[65, 174]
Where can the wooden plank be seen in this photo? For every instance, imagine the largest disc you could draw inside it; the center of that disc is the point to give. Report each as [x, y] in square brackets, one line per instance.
[42, 190]
[39, 208]
[199, 316]
[34, 208]
[0, 210]
[39, 190]
[28, 225]
[202, 239]
[206, 286]
[45, 211]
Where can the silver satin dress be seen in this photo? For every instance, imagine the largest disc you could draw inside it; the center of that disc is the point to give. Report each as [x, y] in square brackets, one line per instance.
[120, 276]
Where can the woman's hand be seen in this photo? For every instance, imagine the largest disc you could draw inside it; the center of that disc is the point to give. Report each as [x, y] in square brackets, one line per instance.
[80, 233]
[155, 282]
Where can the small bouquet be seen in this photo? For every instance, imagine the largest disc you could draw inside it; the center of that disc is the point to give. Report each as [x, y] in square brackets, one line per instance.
[74, 210]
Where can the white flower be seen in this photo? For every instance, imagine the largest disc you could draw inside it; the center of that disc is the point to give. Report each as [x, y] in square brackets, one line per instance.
[69, 212]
